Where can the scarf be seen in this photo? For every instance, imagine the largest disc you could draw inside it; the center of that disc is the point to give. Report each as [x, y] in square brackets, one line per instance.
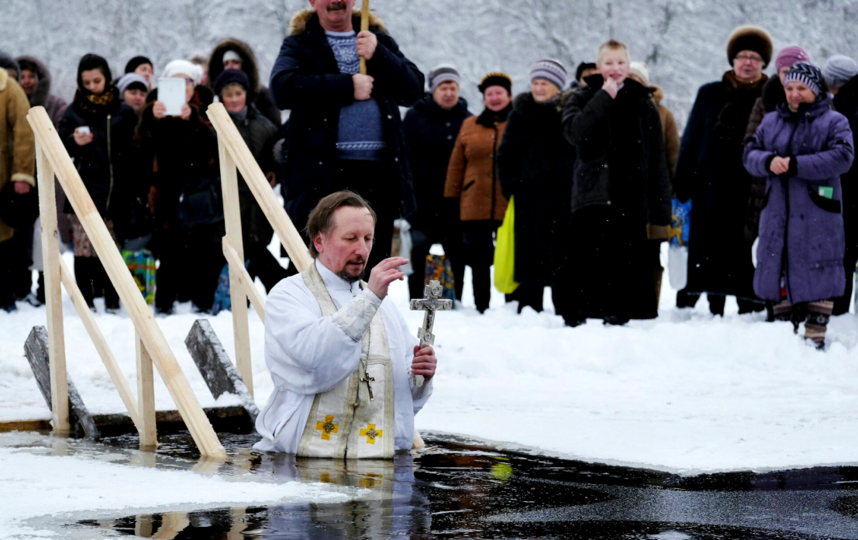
[97, 104]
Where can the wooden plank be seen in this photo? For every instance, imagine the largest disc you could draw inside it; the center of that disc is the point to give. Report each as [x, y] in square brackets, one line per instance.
[53, 290]
[25, 425]
[259, 186]
[232, 218]
[145, 397]
[104, 352]
[144, 322]
[215, 366]
[364, 25]
[36, 349]
[243, 282]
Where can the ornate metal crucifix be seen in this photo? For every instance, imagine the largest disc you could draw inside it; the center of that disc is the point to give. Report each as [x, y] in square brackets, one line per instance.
[430, 305]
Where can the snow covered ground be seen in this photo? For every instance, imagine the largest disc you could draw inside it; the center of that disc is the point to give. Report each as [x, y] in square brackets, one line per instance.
[686, 392]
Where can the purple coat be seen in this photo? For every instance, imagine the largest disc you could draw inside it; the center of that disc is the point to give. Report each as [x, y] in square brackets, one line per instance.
[801, 224]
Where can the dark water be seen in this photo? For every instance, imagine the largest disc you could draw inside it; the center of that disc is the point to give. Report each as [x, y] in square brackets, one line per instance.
[460, 490]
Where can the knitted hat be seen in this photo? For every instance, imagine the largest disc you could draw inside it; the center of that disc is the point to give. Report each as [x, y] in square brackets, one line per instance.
[230, 55]
[183, 67]
[7, 62]
[839, 70]
[750, 38]
[808, 74]
[131, 81]
[582, 67]
[136, 62]
[231, 76]
[496, 79]
[551, 70]
[789, 56]
[640, 69]
[441, 74]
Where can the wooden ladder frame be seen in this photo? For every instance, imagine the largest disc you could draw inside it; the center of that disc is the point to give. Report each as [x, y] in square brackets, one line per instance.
[234, 153]
[150, 343]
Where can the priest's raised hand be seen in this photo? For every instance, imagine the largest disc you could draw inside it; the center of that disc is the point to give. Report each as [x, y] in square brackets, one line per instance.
[385, 273]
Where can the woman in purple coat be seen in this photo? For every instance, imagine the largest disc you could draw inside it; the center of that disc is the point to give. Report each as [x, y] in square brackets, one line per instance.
[802, 148]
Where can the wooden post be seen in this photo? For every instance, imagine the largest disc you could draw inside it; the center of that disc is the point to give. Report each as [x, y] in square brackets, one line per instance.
[232, 217]
[243, 281]
[364, 25]
[151, 335]
[53, 292]
[259, 186]
[100, 343]
[147, 428]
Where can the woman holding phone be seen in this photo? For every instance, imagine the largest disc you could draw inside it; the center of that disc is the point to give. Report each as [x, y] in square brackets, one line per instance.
[98, 130]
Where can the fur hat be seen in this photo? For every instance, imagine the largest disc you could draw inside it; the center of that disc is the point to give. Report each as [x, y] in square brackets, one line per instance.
[750, 38]
[809, 75]
[496, 78]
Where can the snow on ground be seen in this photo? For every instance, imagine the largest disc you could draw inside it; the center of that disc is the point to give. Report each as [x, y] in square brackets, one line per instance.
[686, 392]
[39, 485]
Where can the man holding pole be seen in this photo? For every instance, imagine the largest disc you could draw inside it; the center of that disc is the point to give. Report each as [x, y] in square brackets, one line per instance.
[343, 360]
[345, 129]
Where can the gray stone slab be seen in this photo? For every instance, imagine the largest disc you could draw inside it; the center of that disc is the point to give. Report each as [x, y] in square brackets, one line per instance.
[216, 367]
[36, 349]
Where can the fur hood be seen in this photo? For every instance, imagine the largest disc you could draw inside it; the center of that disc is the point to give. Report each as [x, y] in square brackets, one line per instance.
[299, 22]
[43, 88]
[657, 94]
[248, 62]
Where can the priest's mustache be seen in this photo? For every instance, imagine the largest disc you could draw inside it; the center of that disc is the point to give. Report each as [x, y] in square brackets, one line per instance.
[337, 6]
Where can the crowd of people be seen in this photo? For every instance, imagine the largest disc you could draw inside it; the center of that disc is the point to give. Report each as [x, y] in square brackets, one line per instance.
[593, 166]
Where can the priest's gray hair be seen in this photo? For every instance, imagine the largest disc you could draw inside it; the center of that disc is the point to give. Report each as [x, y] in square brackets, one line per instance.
[322, 216]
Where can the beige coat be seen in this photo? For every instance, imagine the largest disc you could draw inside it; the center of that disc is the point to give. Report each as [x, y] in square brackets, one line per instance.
[17, 143]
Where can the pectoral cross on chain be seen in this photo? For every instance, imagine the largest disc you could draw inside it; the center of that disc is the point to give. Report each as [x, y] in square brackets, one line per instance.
[430, 305]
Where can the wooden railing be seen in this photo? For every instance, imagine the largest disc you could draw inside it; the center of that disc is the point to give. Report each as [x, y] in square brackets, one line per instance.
[234, 153]
[151, 346]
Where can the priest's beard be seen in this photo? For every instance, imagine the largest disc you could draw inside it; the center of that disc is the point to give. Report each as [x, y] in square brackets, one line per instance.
[348, 276]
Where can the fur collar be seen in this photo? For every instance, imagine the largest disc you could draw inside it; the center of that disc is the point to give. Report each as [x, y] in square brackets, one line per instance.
[4, 76]
[300, 21]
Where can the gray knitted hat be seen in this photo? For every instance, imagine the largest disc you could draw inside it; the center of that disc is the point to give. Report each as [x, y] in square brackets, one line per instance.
[441, 74]
[838, 70]
[551, 70]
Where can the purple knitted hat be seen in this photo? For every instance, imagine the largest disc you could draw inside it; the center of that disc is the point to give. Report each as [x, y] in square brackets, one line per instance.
[807, 74]
[790, 55]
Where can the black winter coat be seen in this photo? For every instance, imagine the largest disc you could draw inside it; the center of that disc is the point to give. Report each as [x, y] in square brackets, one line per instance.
[106, 164]
[621, 159]
[431, 133]
[536, 165]
[711, 173]
[846, 103]
[260, 135]
[306, 79]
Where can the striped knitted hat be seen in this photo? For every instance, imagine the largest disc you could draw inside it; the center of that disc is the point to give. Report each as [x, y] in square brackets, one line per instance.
[807, 74]
[551, 70]
[441, 74]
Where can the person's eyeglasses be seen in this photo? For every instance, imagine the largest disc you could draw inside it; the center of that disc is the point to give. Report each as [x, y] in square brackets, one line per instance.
[752, 59]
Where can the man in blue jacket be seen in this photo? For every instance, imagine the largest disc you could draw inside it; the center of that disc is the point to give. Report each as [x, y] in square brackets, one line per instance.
[345, 128]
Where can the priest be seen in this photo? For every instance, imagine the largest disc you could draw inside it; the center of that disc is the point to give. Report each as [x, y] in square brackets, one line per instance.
[342, 358]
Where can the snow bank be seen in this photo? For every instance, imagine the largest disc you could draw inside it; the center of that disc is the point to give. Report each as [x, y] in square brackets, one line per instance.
[686, 392]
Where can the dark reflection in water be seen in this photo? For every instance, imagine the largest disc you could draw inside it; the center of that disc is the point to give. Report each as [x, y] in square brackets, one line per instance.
[457, 490]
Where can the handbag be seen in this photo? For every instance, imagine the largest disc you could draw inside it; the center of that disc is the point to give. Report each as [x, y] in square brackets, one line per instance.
[677, 254]
[505, 252]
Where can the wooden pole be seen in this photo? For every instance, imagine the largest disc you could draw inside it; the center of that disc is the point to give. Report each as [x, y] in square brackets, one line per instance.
[100, 343]
[244, 282]
[364, 25]
[259, 186]
[53, 293]
[148, 428]
[151, 335]
[232, 218]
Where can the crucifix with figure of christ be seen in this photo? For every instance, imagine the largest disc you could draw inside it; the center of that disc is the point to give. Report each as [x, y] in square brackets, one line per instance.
[430, 305]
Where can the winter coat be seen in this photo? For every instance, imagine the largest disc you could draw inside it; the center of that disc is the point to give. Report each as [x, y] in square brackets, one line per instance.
[258, 94]
[260, 135]
[536, 165]
[307, 80]
[801, 229]
[178, 155]
[773, 95]
[846, 103]
[711, 173]
[17, 142]
[669, 131]
[621, 158]
[431, 134]
[106, 164]
[472, 174]
[42, 97]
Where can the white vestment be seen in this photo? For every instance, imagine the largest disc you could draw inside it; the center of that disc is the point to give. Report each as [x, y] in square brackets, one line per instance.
[309, 354]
